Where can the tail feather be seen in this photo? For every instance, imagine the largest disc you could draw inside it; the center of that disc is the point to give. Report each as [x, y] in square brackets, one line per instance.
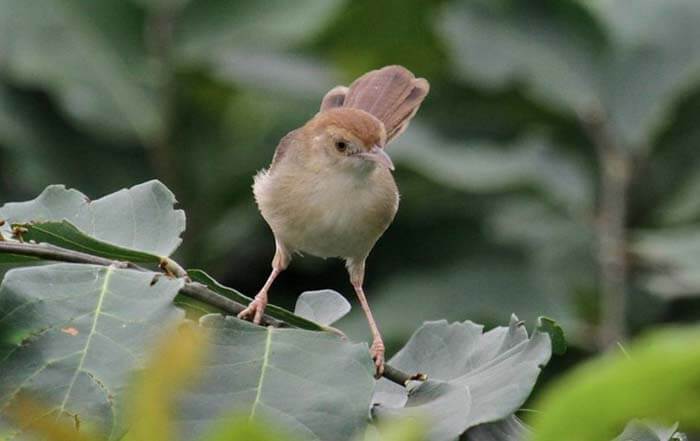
[392, 94]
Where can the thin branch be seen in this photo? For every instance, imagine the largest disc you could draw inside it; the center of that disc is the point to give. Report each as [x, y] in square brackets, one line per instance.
[401, 378]
[615, 170]
[50, 252]
[193, 290]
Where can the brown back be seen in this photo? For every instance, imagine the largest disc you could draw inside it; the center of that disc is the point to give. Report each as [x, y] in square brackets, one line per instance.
[392, 94]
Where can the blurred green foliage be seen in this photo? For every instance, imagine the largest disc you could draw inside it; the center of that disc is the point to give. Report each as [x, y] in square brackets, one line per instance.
[499, 174]
[657, 376]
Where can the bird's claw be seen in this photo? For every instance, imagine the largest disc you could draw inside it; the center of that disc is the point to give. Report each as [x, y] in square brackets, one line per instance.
[377, 352]
[256, 309]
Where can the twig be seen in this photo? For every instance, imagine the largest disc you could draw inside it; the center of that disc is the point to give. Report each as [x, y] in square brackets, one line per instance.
[193, 290]
[615, 170]
[50, 252]
[401, 378]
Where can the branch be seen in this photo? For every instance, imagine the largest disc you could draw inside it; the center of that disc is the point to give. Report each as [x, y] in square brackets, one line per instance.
[615, 170]
[401, 378]
[193, 290]
[50, 252]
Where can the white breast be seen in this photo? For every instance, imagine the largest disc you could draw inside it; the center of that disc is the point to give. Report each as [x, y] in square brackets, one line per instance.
[327, 215]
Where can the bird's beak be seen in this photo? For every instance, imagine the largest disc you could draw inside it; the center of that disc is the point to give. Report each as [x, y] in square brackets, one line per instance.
[378, 155]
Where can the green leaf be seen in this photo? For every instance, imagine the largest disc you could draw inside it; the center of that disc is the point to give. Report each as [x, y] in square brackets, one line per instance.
[65, 235]
[548, 326]
[316, 385]
[137, 223]
[86, 328]
[275, 311]
[656, 378]
[637, 430]
[324, 306]
[446, 406]
[498, 368]
[90, 56]
[16, 258]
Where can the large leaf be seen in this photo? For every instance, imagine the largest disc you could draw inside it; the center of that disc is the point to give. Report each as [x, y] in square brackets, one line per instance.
[66, 235]
[89, 55]
[446, 406]
[141, 218]
[498, 368]
[316, 385]
[84, 329]
[173, 363]
[629, 57]
[655, 378]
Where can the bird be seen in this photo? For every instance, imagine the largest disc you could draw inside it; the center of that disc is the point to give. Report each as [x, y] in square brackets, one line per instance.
[329, 190]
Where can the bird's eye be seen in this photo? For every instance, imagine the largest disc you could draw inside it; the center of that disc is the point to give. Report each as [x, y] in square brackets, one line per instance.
[341, 146]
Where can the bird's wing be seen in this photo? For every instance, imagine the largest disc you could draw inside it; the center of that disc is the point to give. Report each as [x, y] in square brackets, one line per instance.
[285, 144]
[392, 94]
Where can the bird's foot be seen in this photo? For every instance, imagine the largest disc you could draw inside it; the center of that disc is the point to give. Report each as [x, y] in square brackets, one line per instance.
[377, 351]
[255, 309]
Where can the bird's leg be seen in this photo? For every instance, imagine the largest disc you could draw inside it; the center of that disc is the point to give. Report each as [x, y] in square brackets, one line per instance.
[357, 275]
[256, 308]
[377, 348]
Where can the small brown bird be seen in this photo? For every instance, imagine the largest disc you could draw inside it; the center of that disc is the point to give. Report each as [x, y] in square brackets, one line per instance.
[329, 191]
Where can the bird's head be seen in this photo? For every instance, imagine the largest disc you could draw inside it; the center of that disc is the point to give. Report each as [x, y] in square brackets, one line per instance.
[347, 138]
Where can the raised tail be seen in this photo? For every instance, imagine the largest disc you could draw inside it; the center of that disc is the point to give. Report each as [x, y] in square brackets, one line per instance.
[392, 94]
